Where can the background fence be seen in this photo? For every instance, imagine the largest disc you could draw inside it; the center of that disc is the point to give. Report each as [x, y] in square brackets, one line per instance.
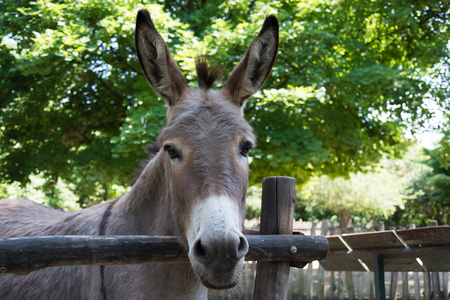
[313, 282]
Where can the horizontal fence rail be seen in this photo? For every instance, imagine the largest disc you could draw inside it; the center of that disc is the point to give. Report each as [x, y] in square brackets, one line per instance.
[26, 254]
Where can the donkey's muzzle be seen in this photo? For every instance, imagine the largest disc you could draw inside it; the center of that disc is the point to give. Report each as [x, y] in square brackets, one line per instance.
[216, 244]
[221, 259]
[233, 247]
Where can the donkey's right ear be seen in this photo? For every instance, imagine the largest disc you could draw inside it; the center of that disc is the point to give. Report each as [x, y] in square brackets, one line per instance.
[156, 62]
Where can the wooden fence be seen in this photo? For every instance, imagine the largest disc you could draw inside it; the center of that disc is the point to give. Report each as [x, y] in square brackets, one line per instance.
[273, 246]
[314, 282]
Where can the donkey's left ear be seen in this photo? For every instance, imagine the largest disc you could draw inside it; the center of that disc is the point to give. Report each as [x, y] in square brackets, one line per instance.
[254, 68]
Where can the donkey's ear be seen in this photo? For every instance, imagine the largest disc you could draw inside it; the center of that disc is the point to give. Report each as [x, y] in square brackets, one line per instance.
[254, 68]
[155, 59]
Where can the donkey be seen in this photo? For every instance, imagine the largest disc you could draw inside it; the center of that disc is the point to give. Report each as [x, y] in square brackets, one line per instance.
[194, 188]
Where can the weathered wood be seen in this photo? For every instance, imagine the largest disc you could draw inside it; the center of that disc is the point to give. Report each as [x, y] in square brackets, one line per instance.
[340, 286]
[445, 285]
[360, 286]
[435, 276]
[333, 285]
[393, 285]
[321, 275]
[294, 263]
[436, 286]
[278, 248]
[426, 285]
[380, 292]
[396, 260]
[372, 286]
[405, 286]
[350, 285]
[416, 285]
[23, 255]
[310, 285]
[277, 214]
[400, 250]
[433, 223]
[343, 262]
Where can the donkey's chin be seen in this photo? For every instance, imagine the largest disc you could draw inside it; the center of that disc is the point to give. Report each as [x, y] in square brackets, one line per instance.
[215, 277]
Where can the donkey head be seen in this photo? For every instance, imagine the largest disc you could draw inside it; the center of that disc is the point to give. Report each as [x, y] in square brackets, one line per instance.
[206, 143]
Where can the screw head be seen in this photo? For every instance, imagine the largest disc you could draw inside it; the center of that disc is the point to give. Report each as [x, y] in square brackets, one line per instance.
[3, 270]
[293, 249]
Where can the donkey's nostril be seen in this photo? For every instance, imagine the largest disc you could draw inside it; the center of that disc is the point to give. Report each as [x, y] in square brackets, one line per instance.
[242, 247]
[200, 252]
[207, 249]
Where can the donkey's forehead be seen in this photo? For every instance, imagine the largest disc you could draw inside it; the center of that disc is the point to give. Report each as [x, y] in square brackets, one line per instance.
[208, 112]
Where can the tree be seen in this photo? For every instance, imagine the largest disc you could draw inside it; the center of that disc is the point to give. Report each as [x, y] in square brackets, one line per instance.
[374, 194]
[59, 196]
[429, 195]
[70, 81]
[347, 80]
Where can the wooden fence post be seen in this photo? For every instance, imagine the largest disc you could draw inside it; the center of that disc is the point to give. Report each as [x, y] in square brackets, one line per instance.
[310, 277]
[405, 286]
[445, 284]
[333, 286]
[416, 285]
[435, 275]
[393, 285]
[321, 274]
[426, 283]
[277, 215]
[378, 265]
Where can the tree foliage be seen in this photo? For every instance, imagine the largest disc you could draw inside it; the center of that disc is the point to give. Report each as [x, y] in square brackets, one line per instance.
[348, 79]
[429, 194]
[59, 195]
[373, 195]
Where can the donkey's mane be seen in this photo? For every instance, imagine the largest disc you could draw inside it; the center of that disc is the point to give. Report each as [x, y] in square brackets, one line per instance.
[207, 75]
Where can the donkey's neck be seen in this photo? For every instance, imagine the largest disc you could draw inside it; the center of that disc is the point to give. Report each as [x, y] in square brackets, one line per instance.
[145, 209]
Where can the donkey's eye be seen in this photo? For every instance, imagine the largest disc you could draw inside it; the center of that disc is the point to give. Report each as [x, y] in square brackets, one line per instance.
[173, 154]
[245, 148]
